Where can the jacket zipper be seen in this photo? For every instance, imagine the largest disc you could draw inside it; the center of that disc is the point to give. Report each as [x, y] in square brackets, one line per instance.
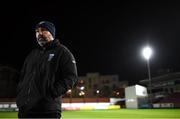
[28, 93]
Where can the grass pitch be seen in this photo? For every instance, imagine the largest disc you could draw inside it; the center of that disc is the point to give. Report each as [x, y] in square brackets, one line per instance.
[113, 114]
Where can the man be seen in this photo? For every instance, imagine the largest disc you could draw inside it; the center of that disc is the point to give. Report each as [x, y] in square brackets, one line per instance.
[48, 72]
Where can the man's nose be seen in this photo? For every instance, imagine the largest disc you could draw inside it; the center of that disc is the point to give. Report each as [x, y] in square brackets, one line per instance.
[40, 32]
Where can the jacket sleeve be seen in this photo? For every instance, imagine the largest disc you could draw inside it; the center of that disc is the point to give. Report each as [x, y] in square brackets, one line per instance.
[22, 73]
[68, 74]
[20, 78]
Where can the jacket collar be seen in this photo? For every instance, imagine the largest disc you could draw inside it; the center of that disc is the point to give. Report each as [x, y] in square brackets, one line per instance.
[51, 45]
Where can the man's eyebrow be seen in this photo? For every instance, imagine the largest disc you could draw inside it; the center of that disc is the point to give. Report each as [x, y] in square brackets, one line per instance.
[44, 29]
[41, 29]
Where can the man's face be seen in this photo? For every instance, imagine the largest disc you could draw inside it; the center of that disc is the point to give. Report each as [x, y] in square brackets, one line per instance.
[42, 34]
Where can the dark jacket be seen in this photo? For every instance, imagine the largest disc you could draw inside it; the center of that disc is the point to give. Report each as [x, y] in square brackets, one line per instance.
[46, 75]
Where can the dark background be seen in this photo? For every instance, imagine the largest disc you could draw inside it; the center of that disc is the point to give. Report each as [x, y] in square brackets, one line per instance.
[105, 37]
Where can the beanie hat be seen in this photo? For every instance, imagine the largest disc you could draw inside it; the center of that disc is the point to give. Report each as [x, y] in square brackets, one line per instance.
[48, 25]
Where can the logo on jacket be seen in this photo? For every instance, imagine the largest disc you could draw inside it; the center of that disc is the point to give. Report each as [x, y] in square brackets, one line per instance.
[73, 61]
[50, 57]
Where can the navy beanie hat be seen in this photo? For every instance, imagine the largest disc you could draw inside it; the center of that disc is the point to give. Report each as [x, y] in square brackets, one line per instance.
[48, 25]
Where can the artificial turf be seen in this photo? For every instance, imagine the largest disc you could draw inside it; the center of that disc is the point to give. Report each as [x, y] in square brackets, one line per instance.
[113, 114]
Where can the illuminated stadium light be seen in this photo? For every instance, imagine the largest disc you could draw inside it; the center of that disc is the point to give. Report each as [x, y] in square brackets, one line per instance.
[117, 93]
[82, 88]
[147, 52]
[81, 93]
[69, 91]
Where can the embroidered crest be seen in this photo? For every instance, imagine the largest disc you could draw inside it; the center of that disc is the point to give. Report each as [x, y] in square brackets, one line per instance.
[73, 61]
[50, 57]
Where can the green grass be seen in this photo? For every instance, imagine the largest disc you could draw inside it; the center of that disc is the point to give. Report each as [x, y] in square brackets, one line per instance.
[114, 114]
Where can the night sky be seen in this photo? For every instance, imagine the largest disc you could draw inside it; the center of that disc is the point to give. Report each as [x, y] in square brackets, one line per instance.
[105, 37]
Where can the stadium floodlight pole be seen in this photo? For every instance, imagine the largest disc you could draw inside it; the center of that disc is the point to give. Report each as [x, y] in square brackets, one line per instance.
[147, 53]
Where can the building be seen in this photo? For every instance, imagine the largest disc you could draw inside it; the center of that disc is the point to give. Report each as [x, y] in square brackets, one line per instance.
[96, 85]
[165, 88]
[136, 97]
